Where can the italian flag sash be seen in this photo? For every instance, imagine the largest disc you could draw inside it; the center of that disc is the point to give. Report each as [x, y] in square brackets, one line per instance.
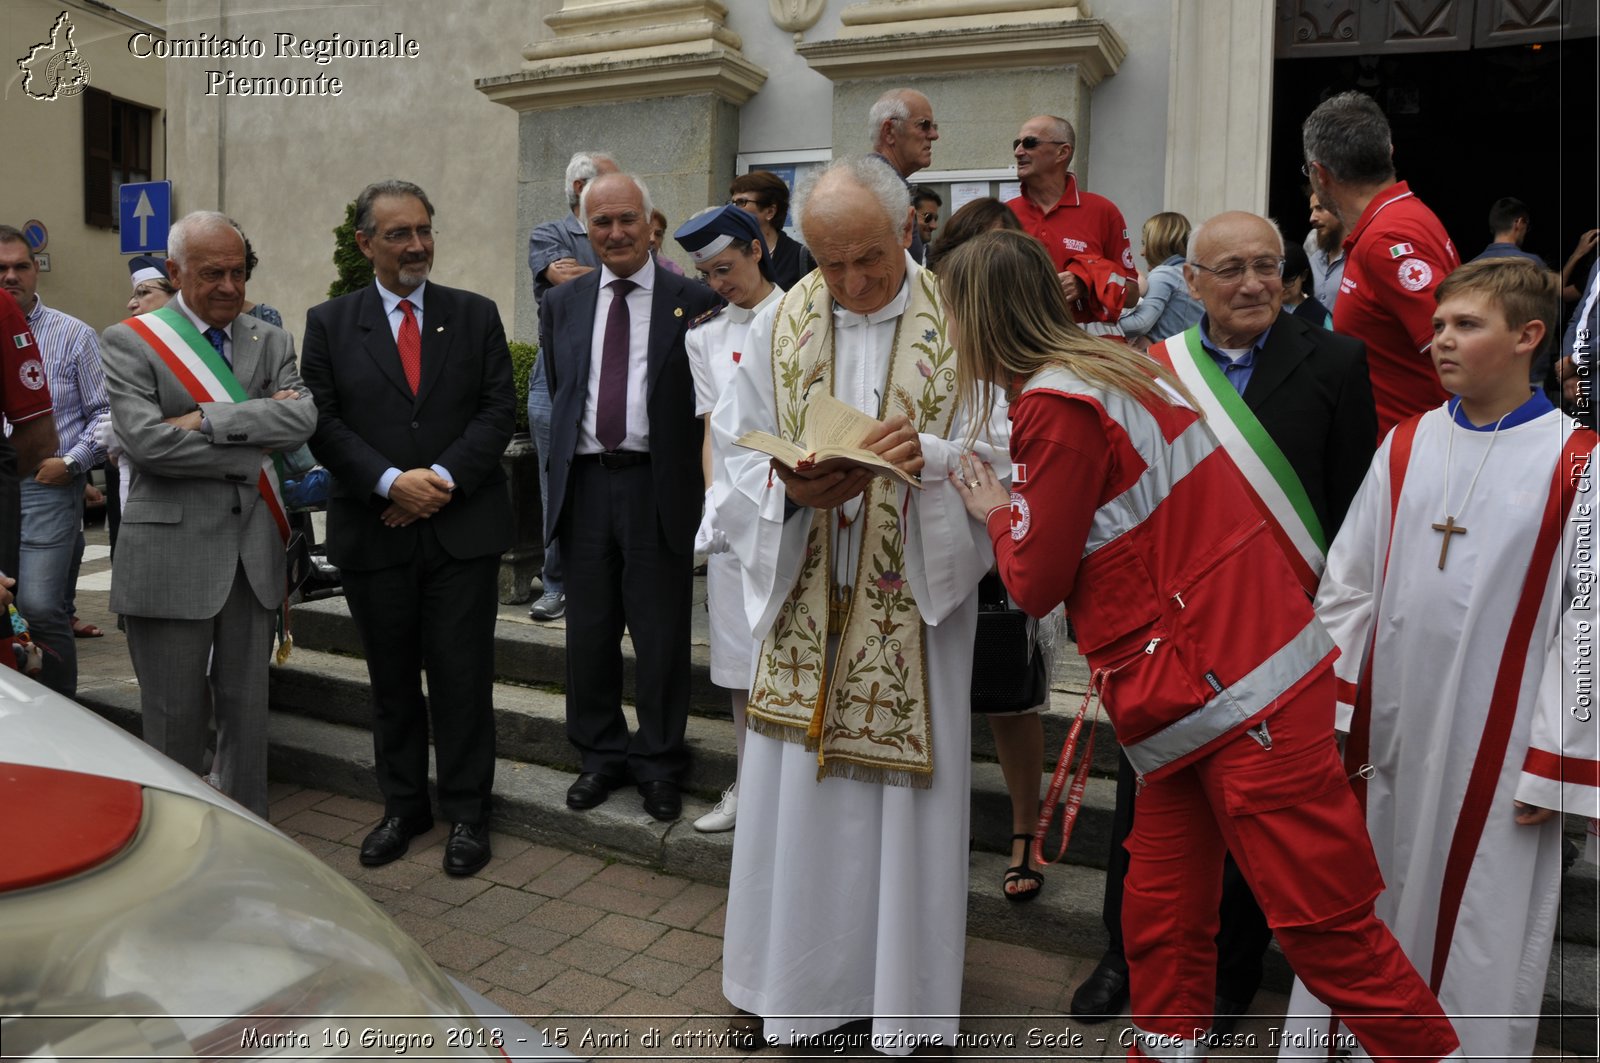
[207, 378]
[1274, 485]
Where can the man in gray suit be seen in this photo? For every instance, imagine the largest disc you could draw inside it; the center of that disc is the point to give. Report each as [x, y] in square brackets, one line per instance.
[202, 397]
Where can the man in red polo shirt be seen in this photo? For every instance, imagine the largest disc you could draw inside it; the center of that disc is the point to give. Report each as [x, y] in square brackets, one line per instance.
[1085, 234]
[1396, 253]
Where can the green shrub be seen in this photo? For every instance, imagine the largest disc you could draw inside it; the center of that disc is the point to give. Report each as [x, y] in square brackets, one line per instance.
[523, 355]
[355, 270]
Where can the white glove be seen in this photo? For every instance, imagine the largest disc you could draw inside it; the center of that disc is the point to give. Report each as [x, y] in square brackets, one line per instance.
[709, 539]
[105, 437]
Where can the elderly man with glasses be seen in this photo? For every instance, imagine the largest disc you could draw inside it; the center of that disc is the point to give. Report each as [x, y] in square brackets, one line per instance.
[1084, 234]
[1292, 406]
[903, 132]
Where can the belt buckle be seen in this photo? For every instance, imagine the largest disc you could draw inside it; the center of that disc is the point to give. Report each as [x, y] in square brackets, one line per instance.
[605, 457]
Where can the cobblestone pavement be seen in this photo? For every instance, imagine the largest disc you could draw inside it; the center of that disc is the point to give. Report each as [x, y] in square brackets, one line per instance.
[617, 955]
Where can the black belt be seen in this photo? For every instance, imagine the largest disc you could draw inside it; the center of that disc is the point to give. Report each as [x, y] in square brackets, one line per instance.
[616, 459]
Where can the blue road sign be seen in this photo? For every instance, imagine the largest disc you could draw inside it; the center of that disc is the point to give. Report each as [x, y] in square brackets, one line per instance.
[145, 212]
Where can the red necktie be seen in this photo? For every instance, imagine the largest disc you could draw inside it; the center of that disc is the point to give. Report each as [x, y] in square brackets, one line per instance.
[611, 408]
[410, 343]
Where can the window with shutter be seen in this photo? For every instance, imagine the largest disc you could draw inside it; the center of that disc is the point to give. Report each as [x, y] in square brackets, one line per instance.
[99, 208]
[116, 151]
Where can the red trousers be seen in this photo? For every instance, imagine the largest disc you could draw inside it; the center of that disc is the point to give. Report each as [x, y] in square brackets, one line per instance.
[1290, 818]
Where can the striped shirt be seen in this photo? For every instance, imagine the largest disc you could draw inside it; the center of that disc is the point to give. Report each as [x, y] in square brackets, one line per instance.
[71, 353]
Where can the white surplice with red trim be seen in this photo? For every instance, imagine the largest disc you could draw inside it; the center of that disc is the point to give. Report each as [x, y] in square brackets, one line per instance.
[1474, 697]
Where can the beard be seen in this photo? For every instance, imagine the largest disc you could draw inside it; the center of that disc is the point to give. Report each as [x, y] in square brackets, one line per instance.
[1329, 239]
[413, 273]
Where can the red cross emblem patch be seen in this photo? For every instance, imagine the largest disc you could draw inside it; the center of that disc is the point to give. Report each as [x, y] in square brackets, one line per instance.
[1415, 274]
[32, 374]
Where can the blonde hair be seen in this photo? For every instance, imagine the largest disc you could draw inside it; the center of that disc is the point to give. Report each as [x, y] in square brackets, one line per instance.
[1165, 234]
[1522, 291]
[1002, 294]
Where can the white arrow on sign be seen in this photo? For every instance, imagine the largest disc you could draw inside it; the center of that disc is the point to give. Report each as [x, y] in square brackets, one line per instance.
[144, 212]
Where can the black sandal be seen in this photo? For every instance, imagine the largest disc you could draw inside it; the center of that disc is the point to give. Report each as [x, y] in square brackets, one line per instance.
[1023, 872]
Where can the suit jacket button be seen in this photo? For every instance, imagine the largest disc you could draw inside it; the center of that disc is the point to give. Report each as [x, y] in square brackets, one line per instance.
[414, 424]
[237, 437]
[236, 509]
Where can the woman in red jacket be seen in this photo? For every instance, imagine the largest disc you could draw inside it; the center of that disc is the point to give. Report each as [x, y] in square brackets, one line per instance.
[1216, 676]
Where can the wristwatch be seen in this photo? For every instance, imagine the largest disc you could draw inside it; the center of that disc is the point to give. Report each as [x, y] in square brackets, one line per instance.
[73, 468]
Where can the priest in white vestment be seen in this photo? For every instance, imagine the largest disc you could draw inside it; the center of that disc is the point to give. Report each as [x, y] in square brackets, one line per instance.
[1459, 592]
[848, 894]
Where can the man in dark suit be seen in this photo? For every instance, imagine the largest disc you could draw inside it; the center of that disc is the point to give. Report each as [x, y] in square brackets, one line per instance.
[414, 399]
[1308, 389]
[625, 493]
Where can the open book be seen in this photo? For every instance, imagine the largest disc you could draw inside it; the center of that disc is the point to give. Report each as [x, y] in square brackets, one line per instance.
[834, 434]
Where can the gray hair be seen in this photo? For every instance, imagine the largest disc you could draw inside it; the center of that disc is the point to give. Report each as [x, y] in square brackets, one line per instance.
[871, 174]
[645, 202]
[1199, 233]
[891, 107]
[1349, 136]
[377, 190]
[584, 166]
[192, 224]
[1064, 130]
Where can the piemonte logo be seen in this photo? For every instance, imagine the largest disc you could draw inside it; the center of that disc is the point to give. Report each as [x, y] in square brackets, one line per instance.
[55, 68]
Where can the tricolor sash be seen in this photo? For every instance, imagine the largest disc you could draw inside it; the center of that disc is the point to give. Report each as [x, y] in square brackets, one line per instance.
[867, 716]
[1274, 485]
[207, 378]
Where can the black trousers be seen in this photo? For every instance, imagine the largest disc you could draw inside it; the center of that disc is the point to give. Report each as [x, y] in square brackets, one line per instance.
[1243, 936]
[620, 573]
[434, 614]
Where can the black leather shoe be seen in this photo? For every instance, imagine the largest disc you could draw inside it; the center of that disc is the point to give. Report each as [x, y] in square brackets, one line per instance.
[467, 850]
[390, 839]
[591, 788]
[662, 799]
[1102, 996]
[1225, 1015]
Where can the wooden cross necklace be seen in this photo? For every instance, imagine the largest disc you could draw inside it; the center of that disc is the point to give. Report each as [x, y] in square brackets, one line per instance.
[1450, 527]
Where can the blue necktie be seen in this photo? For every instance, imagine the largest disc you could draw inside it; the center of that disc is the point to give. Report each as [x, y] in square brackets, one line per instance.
[215, 336]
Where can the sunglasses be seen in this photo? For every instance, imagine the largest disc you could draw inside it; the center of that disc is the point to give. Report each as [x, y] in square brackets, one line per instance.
[930, 217]
[1029, 143]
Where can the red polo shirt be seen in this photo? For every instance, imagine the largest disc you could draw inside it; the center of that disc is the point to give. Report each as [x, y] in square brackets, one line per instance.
[24, 394]
[1396, 255]
[1080, 223]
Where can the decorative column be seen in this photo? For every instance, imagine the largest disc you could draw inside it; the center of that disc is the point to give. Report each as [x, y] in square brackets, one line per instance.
[655, 83]
[1219, 107]
[987, 65]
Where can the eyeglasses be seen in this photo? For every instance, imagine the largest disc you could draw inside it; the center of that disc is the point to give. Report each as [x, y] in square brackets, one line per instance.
[1263, 269]
[925, 125]
[930, 216]
[1029, 143]
[746, 202]
[400, 237]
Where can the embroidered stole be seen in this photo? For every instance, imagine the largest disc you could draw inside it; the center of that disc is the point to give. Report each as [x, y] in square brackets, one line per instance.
[1274, 485]
[868, 716]
[207, 378]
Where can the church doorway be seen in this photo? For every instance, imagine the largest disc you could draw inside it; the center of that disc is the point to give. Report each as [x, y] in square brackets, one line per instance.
[1471, 123]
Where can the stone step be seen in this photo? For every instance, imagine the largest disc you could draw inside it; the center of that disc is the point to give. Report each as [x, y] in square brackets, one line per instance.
[534, 654]
[530, 802]
[530, 727]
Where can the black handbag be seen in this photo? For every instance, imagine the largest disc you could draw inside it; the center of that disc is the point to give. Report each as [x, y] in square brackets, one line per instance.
[1008, 673]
